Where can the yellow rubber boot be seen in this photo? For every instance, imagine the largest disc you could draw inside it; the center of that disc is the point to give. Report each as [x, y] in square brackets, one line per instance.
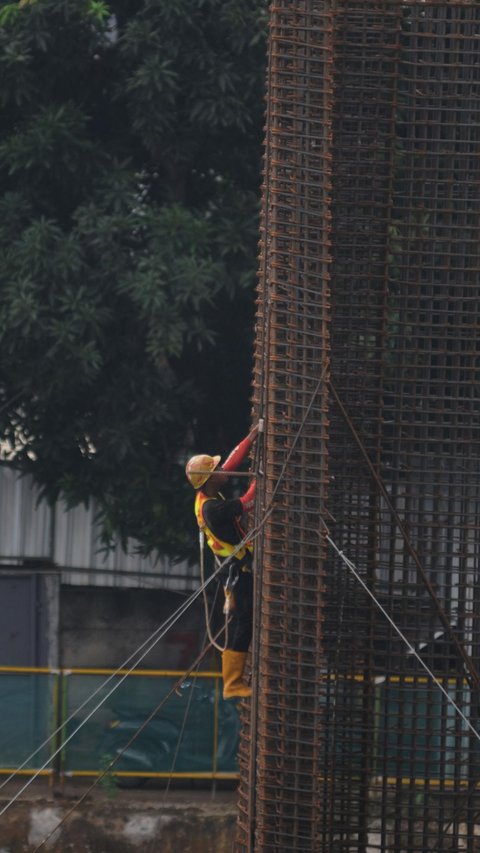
[233, 665]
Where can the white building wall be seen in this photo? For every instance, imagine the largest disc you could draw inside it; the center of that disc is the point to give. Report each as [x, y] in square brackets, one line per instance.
[31, 530]
[25, 526]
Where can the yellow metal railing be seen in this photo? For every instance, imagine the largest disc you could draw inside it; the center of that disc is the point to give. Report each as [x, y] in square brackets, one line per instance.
[82, 718]
[74, 722]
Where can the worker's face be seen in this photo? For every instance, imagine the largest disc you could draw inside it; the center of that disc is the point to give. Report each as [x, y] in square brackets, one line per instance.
[218, 480]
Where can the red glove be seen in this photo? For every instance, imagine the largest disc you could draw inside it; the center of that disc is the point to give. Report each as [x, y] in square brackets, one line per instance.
[237, 455]
[248, 498]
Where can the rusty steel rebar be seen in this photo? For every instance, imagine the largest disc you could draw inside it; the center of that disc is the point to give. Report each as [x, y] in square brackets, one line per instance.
[369, 280]
[292, 348]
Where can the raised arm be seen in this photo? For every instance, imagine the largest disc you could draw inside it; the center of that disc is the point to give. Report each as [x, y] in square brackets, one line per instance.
[239, 452]
[248, 498]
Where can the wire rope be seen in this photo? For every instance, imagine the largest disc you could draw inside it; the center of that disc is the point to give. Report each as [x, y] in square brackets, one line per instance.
[117, 757]
[247, 538]
[186, 713]
[95, 693]
[351, 566]
[212, 640]
[355, 572]
[168, 623]
[459, 648]
[166, 627]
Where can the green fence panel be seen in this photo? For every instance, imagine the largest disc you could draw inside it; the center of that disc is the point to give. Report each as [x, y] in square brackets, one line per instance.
[28, 701]
[195, 731]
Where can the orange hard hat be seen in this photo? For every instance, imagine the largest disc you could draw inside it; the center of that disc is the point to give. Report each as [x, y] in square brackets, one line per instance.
[199, 468]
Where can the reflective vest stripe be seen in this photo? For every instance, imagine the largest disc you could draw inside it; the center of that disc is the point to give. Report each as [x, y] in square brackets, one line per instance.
[220, 548]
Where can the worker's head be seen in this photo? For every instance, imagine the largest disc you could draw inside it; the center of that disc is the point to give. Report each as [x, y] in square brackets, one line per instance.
[200, 468]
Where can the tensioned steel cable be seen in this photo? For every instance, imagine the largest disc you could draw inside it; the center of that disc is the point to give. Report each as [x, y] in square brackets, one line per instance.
[207, 636]
[67, 740]
[249, 537]
[145, 723]
[255, 532]
[351, 566]
[431, 675]
[445, 621]
[164, 628]
[117, 671]
[354, 571]
[99, 689]
[168, 623]
[153, 639]
[470, 666]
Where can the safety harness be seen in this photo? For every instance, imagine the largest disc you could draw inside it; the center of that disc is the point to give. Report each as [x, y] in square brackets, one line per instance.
[220, 549]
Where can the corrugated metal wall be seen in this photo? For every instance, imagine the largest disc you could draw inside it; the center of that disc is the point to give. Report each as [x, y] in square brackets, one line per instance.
[31, 530]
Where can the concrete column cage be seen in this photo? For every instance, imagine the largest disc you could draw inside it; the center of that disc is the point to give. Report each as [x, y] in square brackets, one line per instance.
[367, 374]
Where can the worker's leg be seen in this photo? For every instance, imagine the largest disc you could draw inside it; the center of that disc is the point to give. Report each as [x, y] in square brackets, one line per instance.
[240, 635]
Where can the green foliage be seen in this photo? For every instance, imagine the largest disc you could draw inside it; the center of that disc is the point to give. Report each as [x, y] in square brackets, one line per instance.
[8, 14]
[129, 163]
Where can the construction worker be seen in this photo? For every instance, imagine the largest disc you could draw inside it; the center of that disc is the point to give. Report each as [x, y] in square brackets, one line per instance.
[220, 520]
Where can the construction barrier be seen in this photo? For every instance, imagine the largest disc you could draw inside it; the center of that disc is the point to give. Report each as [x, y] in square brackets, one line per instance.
[80, 720]
[75, 722]
[28, 698]
[194, 735]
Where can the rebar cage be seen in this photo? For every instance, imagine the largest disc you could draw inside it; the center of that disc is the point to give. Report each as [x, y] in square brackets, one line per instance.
[363, 733]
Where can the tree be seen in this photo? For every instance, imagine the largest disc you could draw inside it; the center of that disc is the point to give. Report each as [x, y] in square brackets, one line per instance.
[130, 147]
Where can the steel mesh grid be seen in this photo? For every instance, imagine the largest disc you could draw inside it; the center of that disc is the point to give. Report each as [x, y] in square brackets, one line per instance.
[405, 367]
[292, 341]
[379, 760]
[413, 427]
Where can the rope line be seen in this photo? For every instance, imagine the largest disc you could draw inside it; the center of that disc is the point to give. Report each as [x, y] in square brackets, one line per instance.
[251, 536]
[351, 566]
[166, 626]
[90, 697]
[187, 711]
[459, 647]
[114, 760]
[201, 542]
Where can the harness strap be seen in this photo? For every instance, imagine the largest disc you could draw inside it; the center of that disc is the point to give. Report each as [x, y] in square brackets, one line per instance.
[218, 546]
[201, 540]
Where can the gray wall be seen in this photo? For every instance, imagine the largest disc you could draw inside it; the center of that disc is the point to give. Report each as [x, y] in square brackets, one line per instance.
[103, 627]
[32, 530]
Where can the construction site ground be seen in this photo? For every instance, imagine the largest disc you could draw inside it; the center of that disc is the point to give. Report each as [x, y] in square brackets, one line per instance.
[189, 817]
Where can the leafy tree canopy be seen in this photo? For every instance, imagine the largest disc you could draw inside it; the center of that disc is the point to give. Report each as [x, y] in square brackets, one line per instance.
[130, 143]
